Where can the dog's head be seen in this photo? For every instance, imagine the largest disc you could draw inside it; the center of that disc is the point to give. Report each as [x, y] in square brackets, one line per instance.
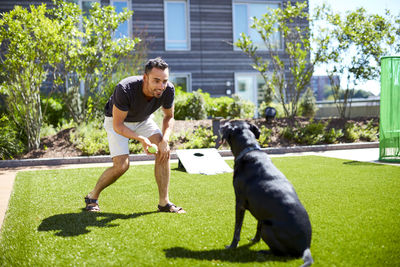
[241, 129]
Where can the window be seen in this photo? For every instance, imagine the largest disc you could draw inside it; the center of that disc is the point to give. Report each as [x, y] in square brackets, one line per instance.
[181, 80]
[123, 30]
[248, 86]
[86, 5]
[243, 13]
[176, 25]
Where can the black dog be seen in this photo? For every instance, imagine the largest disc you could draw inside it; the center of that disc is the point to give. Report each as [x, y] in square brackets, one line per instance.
[261, 188]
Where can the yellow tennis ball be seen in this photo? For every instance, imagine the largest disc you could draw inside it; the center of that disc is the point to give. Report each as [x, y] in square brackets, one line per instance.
[153, 149]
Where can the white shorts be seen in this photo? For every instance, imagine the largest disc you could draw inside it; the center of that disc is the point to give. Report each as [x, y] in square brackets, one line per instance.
[118, 144]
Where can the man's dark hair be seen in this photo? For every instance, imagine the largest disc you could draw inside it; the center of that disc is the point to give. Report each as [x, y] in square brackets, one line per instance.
[157, 62]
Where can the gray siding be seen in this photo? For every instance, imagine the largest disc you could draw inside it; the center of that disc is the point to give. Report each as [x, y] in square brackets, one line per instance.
[7, 5]
[212, 61]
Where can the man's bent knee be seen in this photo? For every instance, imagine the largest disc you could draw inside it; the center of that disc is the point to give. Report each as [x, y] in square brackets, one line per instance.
[155, 138]
[121, 163]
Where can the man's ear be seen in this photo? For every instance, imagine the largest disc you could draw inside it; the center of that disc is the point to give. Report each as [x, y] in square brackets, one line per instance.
[255, 130]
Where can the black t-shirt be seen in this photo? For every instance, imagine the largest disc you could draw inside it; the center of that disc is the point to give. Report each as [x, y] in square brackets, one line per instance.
[128, 96]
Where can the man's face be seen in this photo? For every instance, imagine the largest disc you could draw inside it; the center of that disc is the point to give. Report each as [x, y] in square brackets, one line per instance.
[155, 82]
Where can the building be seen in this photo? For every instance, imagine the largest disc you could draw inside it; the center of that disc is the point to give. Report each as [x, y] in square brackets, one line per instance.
[319, 85]
[195, 37]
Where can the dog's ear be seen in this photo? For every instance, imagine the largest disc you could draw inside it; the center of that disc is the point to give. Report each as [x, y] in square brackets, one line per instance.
[225, 132]
[255, 130]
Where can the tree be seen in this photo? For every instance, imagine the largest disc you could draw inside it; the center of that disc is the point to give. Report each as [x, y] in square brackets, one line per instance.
[286, 78]
[32, 42]
[359, 40]
[92, 55]
[40, 41]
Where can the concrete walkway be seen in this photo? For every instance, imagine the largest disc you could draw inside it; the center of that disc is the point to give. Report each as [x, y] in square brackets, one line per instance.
[7, 175]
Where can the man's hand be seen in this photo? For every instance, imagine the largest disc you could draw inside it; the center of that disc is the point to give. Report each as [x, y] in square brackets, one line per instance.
[164, 150]
[145, 143]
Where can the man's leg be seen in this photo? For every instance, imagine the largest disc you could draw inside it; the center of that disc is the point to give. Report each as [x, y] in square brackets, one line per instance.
[161, 173]
[109, 176]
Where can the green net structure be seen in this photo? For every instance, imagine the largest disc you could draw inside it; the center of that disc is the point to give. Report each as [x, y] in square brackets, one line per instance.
[389, 122]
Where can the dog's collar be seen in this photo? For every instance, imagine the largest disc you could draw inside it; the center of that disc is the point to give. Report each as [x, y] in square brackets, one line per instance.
[247, 150]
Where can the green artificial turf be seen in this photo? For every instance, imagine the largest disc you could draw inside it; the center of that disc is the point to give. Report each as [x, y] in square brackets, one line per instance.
[354, 210]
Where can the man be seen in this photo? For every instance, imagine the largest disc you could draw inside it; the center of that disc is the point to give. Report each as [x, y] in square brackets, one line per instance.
[127, 116]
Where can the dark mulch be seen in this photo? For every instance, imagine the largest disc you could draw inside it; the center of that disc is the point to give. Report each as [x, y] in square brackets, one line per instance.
[59, 145]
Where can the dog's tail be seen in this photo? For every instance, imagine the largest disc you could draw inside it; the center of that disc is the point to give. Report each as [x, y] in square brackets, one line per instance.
[308, 260]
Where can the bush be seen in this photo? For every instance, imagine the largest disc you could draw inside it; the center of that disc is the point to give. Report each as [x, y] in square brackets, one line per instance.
[47, 130]
[218, 106]
[201, 137]
[265, 136]
[366, 132]
[311, 134]
[199, 106]
[10, 143]
[190, 106]
[308, 106]
[332, 136]
[54, 111]
[91, 139]
[240, 108]
[351, 132]
[369, 132]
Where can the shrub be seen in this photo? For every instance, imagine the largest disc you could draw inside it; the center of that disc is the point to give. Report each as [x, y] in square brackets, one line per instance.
[240, 108]
[311, 134]
[369, 132]
[366, 132]
[265, 136]
[288, 133]
[91, 138]
[351, 132]
[199, 105]
[201, 137]
[10, 143]
[332, 135]
[308, 106]
[219, 106]
[54, 111]
[47, 130]
[190, 106]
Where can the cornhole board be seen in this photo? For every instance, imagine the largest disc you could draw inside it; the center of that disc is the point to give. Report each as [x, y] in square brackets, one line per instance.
[202, 161]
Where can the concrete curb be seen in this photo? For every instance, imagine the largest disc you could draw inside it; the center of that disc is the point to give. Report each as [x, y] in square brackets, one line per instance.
[144, 157]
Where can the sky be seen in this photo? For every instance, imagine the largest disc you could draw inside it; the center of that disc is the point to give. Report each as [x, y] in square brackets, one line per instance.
[371, 6]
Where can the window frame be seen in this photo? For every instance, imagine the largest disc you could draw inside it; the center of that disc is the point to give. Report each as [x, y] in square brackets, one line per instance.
[187, 24]
[80, 3]
[186, 75]
[129, 21]
[234, 21]
[255, 76]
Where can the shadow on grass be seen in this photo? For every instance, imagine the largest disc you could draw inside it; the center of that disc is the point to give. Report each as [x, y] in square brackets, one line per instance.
[179, 169]
[74, 224]
[242, 254]
[362, 163]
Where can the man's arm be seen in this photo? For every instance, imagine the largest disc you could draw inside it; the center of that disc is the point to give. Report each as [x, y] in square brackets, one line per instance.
[167, 125]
